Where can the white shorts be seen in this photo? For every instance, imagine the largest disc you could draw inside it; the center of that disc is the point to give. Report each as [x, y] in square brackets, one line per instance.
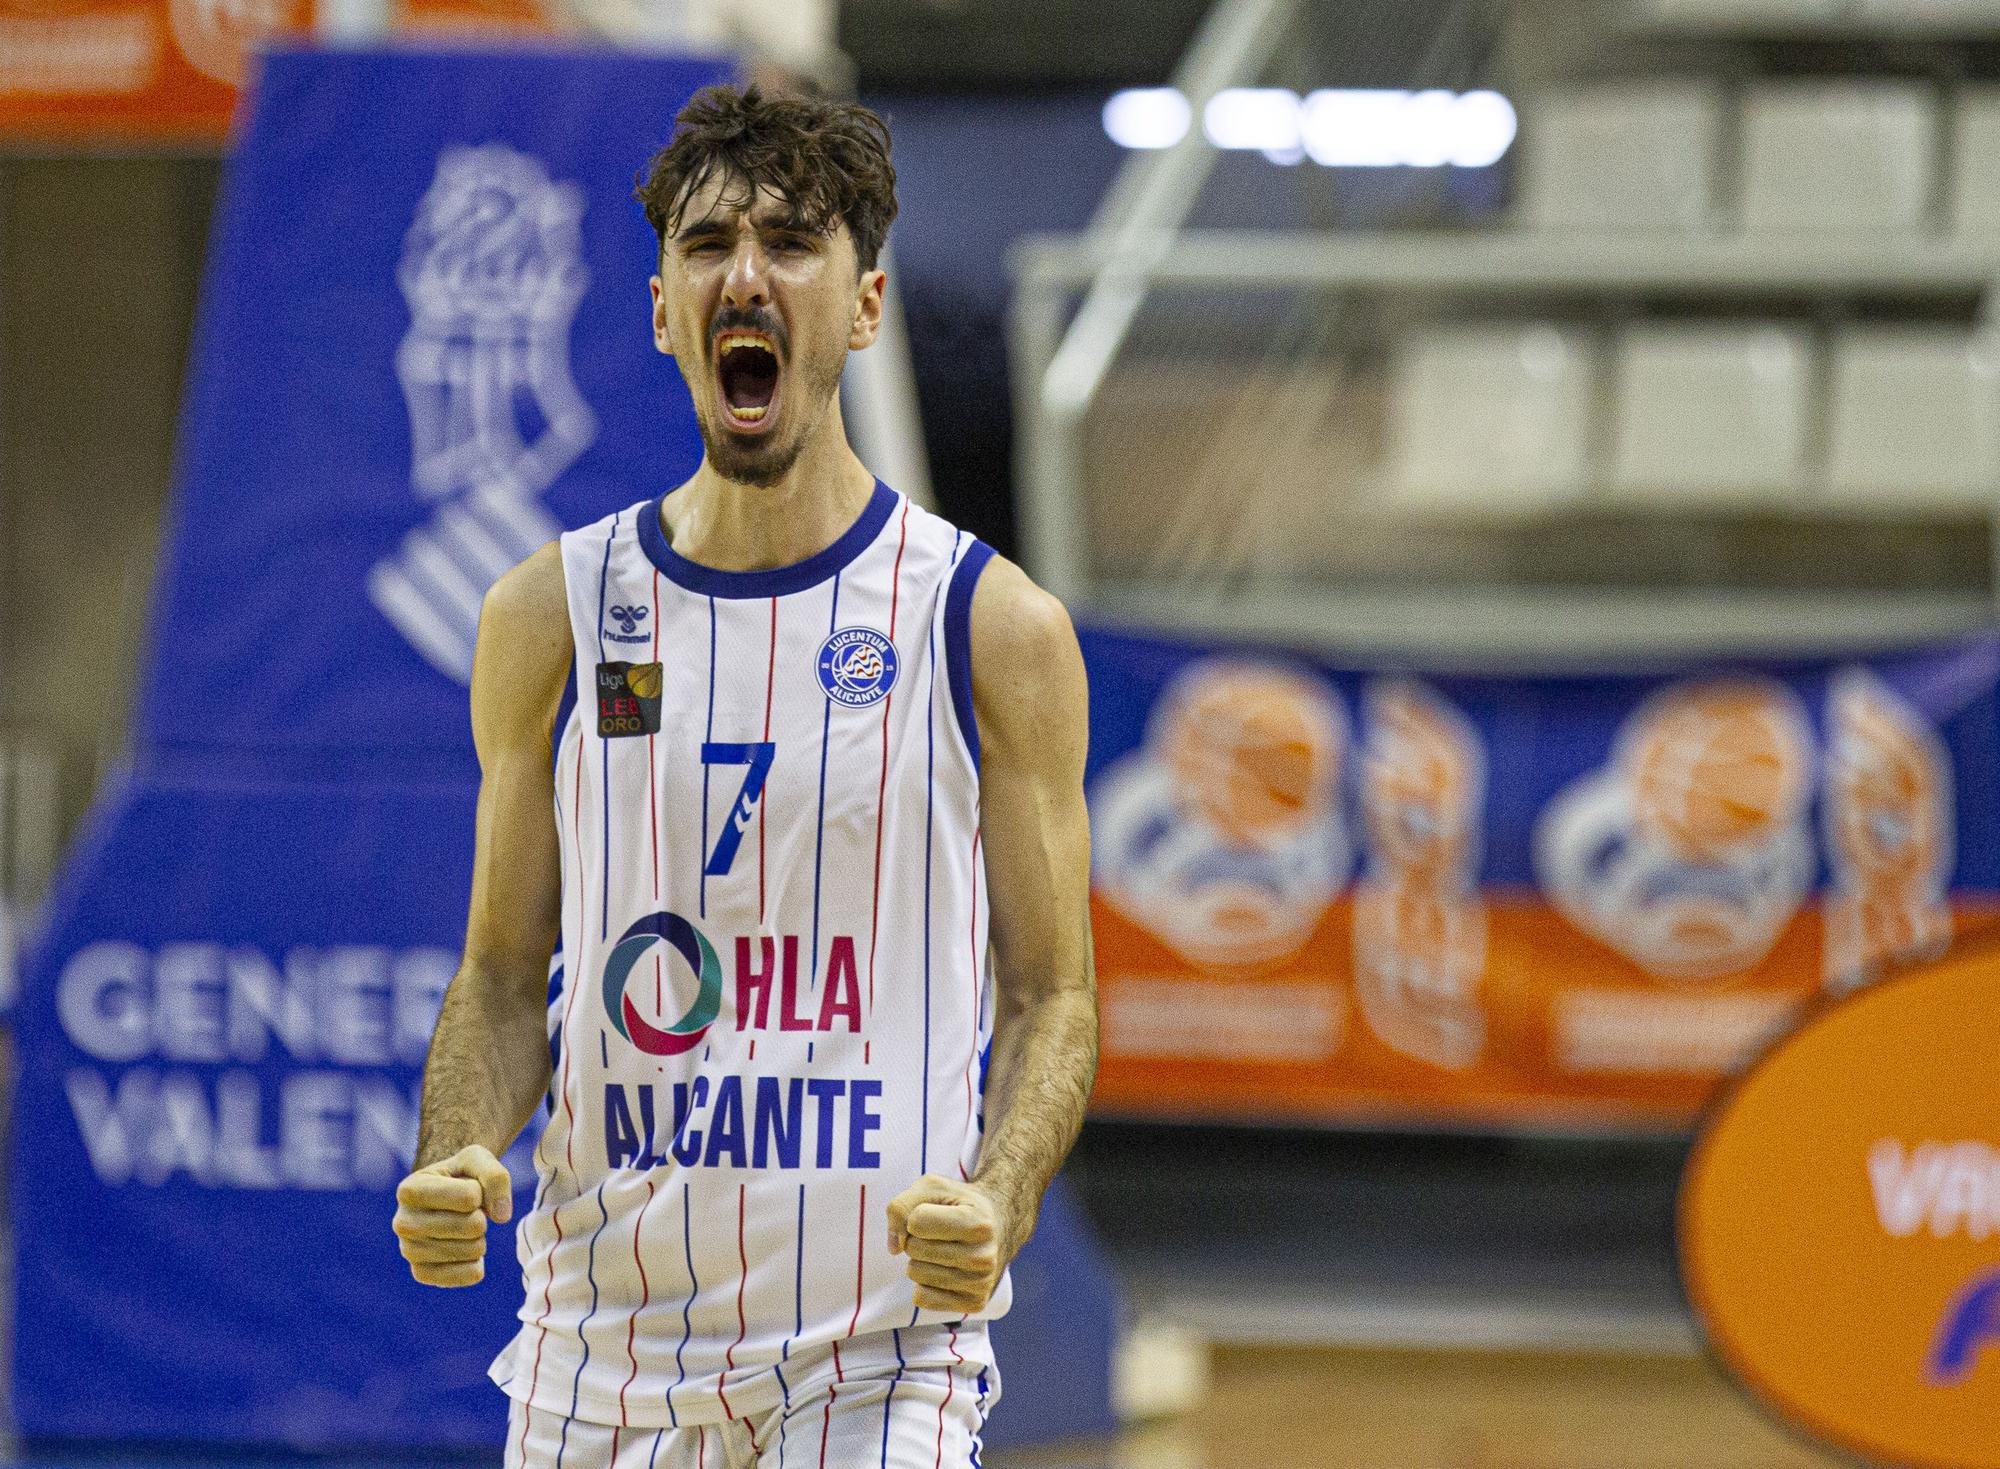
[925, 1413]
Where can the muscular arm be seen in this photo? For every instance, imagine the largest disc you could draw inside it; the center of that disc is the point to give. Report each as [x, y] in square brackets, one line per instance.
[1031, 702]
[489, 1058]
[1032, 705]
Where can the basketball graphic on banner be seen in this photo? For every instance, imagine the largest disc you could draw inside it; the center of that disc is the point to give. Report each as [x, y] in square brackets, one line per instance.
[1717, 769]
[1689, 851]
[1256, 750]
[1223, 834]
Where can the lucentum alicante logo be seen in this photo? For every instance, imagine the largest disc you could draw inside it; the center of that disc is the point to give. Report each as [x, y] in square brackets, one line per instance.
[686, 940]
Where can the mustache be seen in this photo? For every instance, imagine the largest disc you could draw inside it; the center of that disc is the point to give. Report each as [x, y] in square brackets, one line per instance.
[747, 319]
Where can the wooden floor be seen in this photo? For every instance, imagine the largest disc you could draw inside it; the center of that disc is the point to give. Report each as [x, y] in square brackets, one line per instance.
[1312, 1409]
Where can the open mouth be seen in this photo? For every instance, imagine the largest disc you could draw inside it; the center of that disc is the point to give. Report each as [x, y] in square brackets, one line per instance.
[747, 364]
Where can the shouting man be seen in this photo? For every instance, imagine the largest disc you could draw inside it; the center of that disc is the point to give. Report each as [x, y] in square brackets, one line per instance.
[824, 746]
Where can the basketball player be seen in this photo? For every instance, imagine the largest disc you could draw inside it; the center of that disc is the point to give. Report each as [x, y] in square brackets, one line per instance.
[823, 745]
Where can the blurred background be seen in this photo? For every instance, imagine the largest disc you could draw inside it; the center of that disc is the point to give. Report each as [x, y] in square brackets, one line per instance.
[1526, 475]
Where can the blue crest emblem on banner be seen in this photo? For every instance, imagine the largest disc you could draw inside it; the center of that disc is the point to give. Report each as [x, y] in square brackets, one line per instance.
[493, 272]
[857, 666]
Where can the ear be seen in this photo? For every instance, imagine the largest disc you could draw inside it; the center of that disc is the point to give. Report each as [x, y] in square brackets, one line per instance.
[867, 309]
[660, 317]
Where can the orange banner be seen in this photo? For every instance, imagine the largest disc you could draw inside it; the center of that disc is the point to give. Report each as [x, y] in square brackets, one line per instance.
[485, 17]
[1561, 1032]
[97, 72]
[1564, 900]
[131, 70]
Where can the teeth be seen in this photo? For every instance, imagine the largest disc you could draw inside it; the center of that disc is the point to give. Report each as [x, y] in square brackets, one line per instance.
[729, 342]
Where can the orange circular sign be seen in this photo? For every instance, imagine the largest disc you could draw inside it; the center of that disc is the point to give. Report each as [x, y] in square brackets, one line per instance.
[1840, 1220]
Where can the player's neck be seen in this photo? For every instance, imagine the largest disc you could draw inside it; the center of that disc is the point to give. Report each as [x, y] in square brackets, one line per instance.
[737, 527]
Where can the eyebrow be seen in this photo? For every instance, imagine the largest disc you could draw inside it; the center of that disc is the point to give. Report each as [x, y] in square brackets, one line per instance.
[701, 229]
[792, 221]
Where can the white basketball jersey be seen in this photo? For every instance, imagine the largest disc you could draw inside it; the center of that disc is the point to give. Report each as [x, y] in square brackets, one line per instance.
[775, 1004]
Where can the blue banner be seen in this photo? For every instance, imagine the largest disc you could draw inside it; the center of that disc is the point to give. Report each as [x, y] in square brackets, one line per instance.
[425, 348]
[220, 1051]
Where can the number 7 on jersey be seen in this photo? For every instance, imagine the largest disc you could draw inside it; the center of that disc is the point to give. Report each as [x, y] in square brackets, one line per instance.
[758, 757]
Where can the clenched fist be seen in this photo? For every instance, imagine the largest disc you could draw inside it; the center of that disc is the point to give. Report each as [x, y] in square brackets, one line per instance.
[441, 1214]
[952, 1234]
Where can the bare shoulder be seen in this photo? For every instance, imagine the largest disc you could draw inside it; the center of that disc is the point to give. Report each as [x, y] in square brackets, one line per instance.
[1027, 672]
[530, 598]
[523, 654]
[1014, 618]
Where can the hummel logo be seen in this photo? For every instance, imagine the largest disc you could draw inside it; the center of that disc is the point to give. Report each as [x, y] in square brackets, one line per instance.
[628, 618]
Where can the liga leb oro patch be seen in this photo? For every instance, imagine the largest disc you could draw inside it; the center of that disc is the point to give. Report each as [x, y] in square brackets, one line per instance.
[628, 699]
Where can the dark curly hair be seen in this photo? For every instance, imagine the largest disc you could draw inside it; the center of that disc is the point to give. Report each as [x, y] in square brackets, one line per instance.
[828, 160]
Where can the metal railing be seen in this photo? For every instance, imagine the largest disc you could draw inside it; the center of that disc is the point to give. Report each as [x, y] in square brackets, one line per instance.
[1076, 298]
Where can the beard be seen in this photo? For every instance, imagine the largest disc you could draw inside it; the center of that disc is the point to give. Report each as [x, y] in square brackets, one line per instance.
[763, 460]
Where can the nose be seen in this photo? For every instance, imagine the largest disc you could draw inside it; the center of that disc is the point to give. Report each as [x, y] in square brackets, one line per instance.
[748, 280]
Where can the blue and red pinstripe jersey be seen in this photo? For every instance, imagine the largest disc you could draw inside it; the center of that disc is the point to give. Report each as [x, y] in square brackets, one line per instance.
[776, 999]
